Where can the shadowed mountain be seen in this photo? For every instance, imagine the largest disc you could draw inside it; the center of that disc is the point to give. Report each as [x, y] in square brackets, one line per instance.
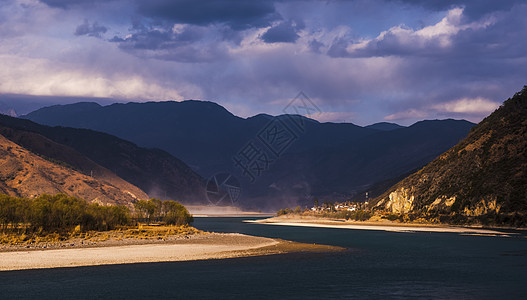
[153, 170]
[321, 159]
[482, 179]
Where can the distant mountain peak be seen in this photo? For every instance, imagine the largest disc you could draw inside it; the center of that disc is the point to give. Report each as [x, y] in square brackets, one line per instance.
[60, 109]
[384, 126]
[79, 105]
[185, 106]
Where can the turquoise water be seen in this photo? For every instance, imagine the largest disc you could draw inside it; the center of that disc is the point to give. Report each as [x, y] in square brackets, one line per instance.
[378, 265]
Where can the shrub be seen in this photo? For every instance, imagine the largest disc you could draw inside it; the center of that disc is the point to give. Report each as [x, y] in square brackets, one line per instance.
[284, 211]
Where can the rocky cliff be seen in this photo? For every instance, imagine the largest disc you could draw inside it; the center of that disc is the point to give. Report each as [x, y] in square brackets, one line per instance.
[482, 179]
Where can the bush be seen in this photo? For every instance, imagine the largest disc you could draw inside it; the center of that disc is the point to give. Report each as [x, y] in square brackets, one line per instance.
[362, 215]
[284, 211]
[391, 217]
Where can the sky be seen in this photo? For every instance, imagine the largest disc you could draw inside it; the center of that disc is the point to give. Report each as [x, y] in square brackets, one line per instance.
[359, 61]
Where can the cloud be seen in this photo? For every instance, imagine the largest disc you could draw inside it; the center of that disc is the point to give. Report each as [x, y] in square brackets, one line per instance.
[475, 9]
[338, 48]
[42, 77]
[473, 109]
[93, 29]
[399, 59]
[315, 46]
[284, 32]
[405, 115]
[468, 106]
[433, 40]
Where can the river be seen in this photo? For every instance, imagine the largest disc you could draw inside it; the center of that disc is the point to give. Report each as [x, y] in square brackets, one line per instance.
[378, 265]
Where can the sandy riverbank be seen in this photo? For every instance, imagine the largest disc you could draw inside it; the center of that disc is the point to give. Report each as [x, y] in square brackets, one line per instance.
[384, 226]
[200, 247]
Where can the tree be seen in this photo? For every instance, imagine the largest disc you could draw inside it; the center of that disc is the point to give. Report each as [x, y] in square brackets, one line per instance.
[146, 209]
[176, 214]
[12, 211]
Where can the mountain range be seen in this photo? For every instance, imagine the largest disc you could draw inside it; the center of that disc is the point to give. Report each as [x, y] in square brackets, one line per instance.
[483, 179]
[324, 160]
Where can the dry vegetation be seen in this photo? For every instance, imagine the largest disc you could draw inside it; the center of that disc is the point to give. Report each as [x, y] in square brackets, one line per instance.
[63, 221]
[133, 235]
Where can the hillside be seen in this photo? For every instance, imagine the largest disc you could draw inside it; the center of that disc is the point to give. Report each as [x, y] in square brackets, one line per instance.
[482, 179]
[24, 174]
[154, 171]
[327, 160]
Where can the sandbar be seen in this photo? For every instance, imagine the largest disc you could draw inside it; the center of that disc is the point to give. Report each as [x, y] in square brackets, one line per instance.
[205, 246]
[388, 226]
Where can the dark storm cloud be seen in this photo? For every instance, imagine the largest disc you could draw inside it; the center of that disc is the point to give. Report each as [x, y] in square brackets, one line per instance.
[285, 32]
[69, 3]
[238, 14]
[243, 14]
[93, 29]
[185, 44]
[147, 40]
